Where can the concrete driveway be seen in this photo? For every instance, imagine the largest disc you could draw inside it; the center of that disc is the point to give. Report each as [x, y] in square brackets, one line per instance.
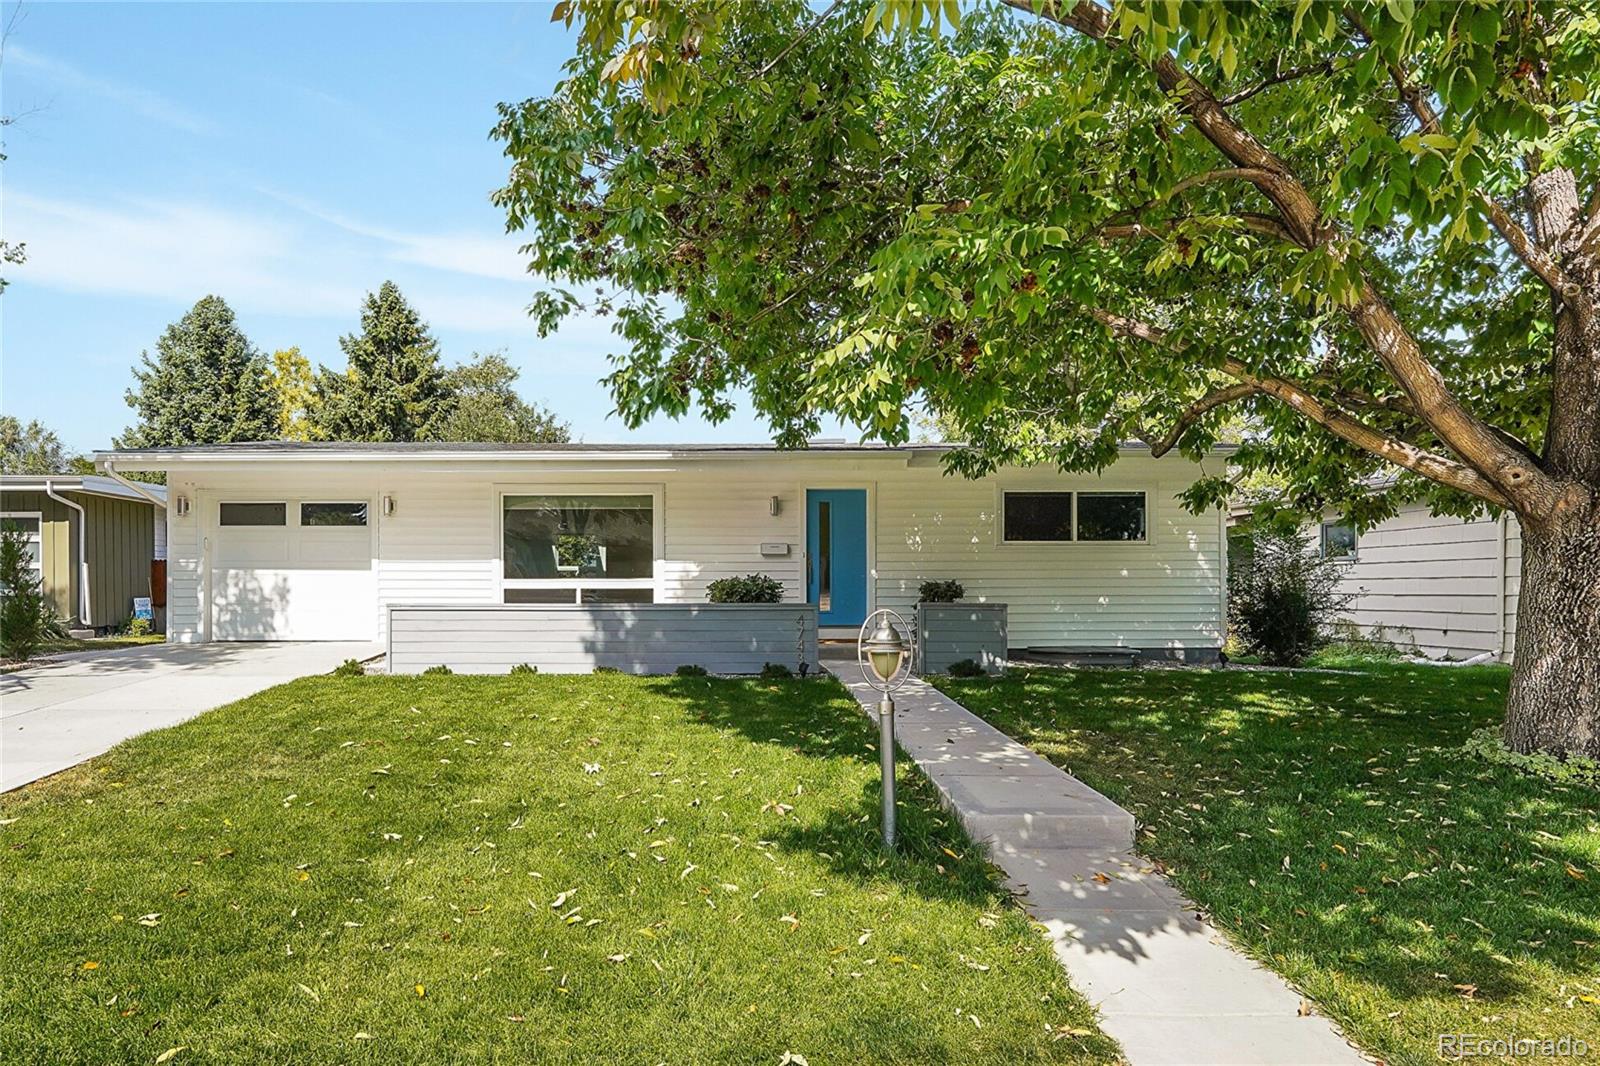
[53, 717]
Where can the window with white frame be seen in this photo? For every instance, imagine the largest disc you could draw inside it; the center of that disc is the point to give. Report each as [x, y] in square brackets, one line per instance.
[30, 524]
[1053, 517]
[1338, 540]
[578, 547]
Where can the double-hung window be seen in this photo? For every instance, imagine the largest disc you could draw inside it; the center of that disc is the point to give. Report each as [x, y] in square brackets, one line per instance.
[578, 547]
[30, 525]
[1054, 517]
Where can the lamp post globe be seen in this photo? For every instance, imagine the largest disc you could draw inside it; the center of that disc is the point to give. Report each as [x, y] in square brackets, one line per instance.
[884, 657]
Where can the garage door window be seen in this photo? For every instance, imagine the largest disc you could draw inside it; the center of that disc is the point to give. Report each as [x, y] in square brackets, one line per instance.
[333, 514]
[253, 514]
[588, 548]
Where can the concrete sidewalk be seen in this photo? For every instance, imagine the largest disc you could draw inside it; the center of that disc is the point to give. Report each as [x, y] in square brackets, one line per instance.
[1168, 986]
[56, 716]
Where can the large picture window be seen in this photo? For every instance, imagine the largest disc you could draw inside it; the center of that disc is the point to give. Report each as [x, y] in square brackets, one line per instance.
[1051, 517]
[578, 548]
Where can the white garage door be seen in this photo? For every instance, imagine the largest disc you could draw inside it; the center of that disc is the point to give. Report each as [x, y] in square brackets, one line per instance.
[292, 570]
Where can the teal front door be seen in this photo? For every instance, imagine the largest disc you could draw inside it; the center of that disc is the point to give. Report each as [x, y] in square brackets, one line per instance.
[836, 555]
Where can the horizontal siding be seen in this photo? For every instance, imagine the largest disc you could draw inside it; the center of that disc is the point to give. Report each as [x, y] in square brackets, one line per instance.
[655, 640]
[1432, 584]
[442, 543]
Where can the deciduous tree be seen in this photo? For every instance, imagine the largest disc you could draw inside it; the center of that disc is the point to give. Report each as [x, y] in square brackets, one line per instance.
[294, 387]
[1372, 228]
[485, 406]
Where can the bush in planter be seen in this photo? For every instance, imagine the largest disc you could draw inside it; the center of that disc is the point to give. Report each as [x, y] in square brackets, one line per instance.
[940, 591]
[752, 588]
[1282, 596]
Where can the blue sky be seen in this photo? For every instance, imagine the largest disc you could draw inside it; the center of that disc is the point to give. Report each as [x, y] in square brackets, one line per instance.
[288, 158]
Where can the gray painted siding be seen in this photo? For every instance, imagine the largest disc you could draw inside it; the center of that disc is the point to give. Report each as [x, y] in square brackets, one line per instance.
[653, 639]
[950, 632]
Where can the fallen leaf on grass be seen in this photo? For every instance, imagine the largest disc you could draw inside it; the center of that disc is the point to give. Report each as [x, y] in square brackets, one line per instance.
[791, 1058]
[308, 990]
[91, 965]
[150, 920]
[170, 1054]
[421, 991]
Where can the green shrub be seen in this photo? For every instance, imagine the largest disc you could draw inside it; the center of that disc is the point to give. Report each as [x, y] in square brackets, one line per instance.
[940, 591]
[690, 670]
[26, 620]
[966, 668]
[137, 627]
[440, 669]
[1485, 744]
[523, 668]
[1282, 595]
[350, 668]
[607, 670]
[775, 672]
[752, 588]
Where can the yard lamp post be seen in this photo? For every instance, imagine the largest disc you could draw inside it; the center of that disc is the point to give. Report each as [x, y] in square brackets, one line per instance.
[885, 661]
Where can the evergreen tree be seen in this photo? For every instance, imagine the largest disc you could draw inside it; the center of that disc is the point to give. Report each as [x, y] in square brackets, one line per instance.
[392, 388]
[206, 385]
[31, 449]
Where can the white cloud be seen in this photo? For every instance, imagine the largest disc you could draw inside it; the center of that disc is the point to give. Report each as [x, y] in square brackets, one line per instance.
[178, 252]
[150, 104]
[462, 253]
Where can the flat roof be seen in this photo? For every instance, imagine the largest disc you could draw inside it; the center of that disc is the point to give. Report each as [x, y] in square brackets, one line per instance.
[129, 459]
[93, 484]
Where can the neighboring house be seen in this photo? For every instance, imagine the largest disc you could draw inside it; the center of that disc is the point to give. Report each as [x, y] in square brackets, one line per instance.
[93, 539]
[285, 541]
[1442, 586]
[1437, 586]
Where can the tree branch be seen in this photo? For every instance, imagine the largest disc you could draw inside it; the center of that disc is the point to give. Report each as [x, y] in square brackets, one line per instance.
[1254, 175]
[1267, 225]
[1534, 257]
[802, 35]
[1504, 472]
[1325, 67]
[1435, 467]
[1210, 402]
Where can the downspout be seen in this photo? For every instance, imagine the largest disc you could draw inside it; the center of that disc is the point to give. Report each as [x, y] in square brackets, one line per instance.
[1500, 591]
[83, 562]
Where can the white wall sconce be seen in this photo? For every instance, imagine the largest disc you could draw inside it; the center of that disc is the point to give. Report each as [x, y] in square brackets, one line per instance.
[774, 506]
[388, 507]
[180, 506]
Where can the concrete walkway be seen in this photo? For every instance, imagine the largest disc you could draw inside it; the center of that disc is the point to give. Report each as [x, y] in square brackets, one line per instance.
[56, 716]
[1168, 987]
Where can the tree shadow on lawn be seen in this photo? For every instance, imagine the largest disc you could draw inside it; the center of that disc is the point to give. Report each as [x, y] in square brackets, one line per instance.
[818, 718]
[1329, 822]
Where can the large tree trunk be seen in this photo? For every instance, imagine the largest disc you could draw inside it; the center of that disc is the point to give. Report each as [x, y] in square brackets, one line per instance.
[1554, 704]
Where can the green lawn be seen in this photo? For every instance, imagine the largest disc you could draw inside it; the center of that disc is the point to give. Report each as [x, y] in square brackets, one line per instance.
[518, 869]
[1323, 820]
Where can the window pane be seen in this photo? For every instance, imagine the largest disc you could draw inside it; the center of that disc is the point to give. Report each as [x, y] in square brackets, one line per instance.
[1338, 541]
[567, 596]
[333, 514]
[1111, 516]
[579, 536]
[1038, 516]
[29, 526]
[619, 596]
[254, 514]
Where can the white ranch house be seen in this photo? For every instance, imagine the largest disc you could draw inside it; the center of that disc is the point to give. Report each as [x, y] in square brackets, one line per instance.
[479, 555]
